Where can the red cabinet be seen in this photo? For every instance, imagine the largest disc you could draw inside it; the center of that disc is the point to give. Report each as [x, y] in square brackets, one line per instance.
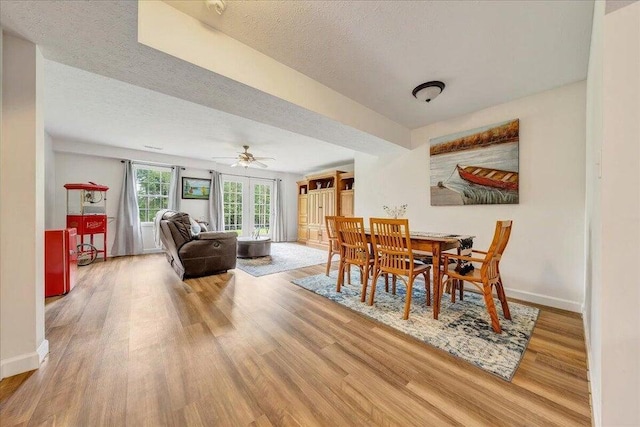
[60, 261]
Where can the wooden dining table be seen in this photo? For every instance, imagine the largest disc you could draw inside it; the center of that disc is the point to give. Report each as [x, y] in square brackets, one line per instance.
[435, 244]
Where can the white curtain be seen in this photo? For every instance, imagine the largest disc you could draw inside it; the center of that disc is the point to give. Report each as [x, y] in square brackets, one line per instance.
[279, 224]
[128, 235]
[216, 212]
[175, 188]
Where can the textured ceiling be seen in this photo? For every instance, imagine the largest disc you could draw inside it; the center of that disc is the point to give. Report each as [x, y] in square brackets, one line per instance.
[101, 37]
[88, 107]
[487, 52]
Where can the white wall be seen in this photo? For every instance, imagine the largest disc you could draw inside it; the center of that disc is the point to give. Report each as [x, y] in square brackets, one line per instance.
[545, 259]
[22, 342]
[593, 227]
[620, 293]
[83, 162]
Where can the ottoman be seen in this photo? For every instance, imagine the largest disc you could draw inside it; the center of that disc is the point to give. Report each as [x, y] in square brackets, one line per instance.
[249, 247]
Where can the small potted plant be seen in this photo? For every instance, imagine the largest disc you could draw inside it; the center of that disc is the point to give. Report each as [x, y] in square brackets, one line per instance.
[396, 211]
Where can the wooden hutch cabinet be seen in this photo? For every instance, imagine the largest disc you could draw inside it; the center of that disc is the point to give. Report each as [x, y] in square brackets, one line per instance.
[319, 196]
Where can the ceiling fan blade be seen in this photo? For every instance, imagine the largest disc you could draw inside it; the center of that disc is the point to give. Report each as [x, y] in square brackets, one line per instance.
[260, 164]
[263, 158]
[225, 158]
[236, 164]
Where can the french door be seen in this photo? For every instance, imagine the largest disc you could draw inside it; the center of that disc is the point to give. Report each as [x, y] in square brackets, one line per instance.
[248, 205]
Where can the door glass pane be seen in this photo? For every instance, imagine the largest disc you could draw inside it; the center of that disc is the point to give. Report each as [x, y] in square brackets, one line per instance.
[262, 209]
[232, 197]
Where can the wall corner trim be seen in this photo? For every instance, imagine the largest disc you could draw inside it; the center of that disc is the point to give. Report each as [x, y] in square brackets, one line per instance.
[594, 395]
[24, 362]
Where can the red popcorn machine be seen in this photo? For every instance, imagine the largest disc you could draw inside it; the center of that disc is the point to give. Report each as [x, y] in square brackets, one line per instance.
[87, 213]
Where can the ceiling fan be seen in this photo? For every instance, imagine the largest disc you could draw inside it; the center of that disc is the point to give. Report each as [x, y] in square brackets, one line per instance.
[246, 159]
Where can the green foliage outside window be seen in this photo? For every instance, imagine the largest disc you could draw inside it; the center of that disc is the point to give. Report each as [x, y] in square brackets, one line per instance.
[153, 191]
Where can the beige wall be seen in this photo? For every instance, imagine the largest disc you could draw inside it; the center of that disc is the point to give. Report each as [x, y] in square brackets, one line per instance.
[620, 293]
[22, 341]
[544, 262]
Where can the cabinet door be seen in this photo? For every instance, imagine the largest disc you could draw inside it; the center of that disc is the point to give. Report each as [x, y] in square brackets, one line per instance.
[303, 233]
[302, 210]
[346, 203]
[330, 202]
[312, 208]
[302, 205]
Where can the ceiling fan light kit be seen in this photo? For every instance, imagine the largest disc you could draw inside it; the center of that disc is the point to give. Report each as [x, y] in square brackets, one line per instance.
[245, 159]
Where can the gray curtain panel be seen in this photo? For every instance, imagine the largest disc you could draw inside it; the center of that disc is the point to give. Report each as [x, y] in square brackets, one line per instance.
[279, 224]
[216, 212]
[128, 235]
[175, 189]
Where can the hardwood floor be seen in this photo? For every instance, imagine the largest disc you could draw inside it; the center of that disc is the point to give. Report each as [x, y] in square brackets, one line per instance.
[133, 345]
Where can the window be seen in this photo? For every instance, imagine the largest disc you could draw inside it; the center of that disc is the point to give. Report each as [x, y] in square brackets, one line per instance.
[153, 190]
[247, 205]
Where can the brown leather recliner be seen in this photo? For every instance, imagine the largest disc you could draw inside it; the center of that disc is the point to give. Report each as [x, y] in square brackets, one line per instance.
[208, 253]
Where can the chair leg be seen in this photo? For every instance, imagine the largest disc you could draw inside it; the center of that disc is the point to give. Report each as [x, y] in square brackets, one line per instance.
[349, 273]
[491, 307]
[341, 270]
[461, 289]
[374, 280]
[452, 289]
[386, 282]
[427, 287]
[365, 282]
[329, 260]
[503, 300]
[407, 304]
[394, 279]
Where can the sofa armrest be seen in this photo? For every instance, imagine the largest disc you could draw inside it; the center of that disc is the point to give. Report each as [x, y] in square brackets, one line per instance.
[217, 235]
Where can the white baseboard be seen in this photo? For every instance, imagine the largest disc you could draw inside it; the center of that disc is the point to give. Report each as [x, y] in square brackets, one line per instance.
[25, 362]
[560, 303]
[152, 251]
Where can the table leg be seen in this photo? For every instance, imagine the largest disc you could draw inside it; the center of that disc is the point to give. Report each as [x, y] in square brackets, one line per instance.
[436, 280]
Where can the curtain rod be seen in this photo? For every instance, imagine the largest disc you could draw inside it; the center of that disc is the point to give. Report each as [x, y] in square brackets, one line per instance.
[246, 176]
[137, 162]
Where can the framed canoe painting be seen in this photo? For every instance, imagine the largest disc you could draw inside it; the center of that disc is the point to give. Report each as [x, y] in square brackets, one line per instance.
[195, 188]
[476, 167]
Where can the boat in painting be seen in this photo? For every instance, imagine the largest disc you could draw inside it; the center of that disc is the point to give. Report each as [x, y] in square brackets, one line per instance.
[495, 178]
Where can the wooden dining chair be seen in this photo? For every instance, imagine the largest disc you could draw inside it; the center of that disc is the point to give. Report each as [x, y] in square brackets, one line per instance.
[393, 255]
[354, 250]
[334, 246]
[487, 275]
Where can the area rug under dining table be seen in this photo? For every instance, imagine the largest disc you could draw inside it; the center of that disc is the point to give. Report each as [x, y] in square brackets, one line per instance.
[463, 329]
[284, 256]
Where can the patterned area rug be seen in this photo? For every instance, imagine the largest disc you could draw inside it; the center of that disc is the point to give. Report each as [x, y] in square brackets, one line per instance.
[284, 256]
[463, 329]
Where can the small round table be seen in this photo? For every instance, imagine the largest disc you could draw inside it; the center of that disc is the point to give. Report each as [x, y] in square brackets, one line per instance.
[249, 247]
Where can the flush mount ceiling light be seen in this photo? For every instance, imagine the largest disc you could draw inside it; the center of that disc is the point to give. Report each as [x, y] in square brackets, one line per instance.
[428, 91]
[218, 5]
